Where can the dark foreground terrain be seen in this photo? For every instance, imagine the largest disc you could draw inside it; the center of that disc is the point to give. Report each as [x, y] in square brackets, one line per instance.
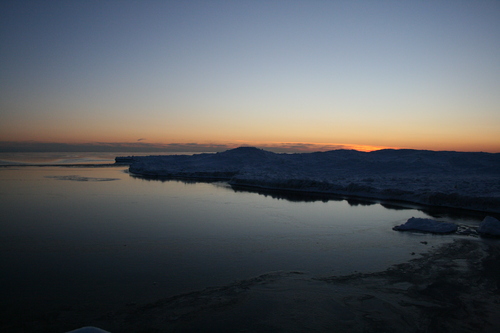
[454, 288]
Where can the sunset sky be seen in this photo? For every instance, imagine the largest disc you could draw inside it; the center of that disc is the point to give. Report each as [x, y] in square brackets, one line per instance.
[291, 75]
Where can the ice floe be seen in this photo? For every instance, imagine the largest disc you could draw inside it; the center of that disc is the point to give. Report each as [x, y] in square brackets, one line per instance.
[427, 225]
[490, 226]
[82, 178]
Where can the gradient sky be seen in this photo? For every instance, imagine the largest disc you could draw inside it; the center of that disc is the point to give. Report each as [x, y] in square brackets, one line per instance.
[314, 74]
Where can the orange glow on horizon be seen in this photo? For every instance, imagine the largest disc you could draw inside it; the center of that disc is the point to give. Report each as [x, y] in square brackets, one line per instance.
[145, 144]
[311, 146]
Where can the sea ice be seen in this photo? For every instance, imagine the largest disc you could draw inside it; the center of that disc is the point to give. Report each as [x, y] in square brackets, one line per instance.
[427, 225]
[489, 226]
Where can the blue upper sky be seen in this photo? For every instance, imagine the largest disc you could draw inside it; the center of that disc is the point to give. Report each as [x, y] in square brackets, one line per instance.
[416, 74]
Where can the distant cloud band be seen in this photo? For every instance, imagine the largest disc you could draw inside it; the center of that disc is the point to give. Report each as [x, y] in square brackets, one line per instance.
[140, 146]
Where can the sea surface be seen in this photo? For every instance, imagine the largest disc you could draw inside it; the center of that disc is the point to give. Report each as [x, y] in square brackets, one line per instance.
[43, 158]
[102, 238]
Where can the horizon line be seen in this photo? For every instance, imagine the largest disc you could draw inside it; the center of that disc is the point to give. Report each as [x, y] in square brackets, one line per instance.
[145, 147]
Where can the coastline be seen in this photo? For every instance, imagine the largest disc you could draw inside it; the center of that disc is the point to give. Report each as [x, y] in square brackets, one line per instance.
[469, 181]
[395, 195]
[466, 206]
[471, 204]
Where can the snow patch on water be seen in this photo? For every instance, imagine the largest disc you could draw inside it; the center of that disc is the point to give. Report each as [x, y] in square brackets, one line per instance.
[77, 178]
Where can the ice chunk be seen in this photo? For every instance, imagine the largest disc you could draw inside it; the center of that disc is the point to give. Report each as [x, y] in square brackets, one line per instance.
[489, 226]
[427, 225]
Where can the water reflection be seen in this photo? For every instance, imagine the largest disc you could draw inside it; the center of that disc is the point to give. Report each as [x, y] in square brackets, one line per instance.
[296, 196]
[164, 179]
[292, 196]
[68, 236]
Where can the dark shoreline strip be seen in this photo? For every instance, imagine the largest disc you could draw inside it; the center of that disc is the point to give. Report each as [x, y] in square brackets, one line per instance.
[105, 165]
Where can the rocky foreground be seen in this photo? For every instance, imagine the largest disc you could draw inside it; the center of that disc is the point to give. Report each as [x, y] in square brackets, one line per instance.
[452, 288]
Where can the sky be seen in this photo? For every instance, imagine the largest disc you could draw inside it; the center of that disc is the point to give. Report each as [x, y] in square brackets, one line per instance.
[284, 75]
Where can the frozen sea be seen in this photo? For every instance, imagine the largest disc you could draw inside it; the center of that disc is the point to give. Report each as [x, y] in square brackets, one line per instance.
[98, 237]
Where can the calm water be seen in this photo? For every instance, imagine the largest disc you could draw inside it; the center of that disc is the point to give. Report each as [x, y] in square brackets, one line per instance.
[100, 237]
[68, 158]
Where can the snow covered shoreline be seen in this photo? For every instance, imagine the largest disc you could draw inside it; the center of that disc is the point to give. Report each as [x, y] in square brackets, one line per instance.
[436, 178]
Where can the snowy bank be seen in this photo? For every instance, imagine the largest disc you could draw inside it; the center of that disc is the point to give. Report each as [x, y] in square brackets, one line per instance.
[437, 178]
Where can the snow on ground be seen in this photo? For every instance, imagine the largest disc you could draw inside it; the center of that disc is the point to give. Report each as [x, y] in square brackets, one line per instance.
[438, 178]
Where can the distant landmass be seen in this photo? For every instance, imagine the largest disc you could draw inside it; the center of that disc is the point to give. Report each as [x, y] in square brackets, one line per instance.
[468, 180]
